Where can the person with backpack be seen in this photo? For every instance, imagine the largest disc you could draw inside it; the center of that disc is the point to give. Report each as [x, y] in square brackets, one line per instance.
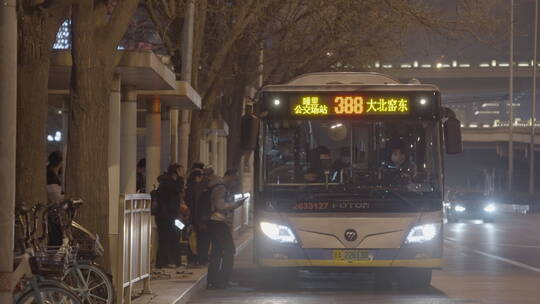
[168, 196]
[223, 249]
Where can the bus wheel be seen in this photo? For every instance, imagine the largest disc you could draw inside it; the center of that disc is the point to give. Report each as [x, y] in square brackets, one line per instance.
[414, 279]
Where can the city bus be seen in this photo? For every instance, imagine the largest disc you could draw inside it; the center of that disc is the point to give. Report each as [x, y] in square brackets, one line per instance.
[349, 175]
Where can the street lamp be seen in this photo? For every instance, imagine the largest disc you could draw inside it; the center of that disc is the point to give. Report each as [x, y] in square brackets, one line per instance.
[533, 101]
[511, 101]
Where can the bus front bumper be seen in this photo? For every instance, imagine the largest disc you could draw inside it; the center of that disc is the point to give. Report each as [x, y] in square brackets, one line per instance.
[408, 257]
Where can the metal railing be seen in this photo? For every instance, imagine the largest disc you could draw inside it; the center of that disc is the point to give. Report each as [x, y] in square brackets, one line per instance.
[135, 228]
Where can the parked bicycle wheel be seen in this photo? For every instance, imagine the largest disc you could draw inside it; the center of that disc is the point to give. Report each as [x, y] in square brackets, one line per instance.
[90, 283]
[48, 293]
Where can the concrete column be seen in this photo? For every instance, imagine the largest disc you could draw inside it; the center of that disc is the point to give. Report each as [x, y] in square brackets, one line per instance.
[153, 142]
[223, 154]
[174, 136]
[8, 124]
[114, 170]
[165, 139]
[219, 152]
[183, 137]
[128, 139]
[204, 152]
[214, 147]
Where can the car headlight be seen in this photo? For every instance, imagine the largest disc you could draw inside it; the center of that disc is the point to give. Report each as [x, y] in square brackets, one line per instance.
[422, 233]
[277, 232]
[490, 208]
[459, 208]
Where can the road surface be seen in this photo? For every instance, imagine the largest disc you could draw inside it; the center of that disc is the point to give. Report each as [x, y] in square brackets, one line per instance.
[484, 263]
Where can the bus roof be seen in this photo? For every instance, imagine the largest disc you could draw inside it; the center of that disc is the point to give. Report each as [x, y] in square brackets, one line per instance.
[325, 78]
[346, 81]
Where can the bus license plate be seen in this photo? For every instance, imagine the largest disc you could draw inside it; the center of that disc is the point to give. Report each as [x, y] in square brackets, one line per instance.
[351, 255]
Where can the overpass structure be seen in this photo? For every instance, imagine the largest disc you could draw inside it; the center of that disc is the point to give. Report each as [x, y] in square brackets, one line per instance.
[498, 138]
[484, 70]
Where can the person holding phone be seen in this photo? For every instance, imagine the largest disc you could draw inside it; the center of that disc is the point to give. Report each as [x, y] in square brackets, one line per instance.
[223, 249]
[169, 198]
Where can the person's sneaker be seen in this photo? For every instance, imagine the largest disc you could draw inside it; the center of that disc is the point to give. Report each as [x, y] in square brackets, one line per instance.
[232, 284]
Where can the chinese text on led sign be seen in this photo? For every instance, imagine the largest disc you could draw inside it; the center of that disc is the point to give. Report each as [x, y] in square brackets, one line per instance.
[352, 105]
[310, 106]
[387, 105]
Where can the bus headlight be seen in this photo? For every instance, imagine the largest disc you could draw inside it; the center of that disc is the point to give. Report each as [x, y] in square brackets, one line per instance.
[422, 233]
[277, 232]
[490, 208]
[459, 208]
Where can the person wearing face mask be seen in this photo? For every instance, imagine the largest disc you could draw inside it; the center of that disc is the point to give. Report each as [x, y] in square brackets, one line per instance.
[405, 168]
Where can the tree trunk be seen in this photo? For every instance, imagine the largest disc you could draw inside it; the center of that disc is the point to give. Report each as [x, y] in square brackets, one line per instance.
[195, 137]
[233, 117]
[96, 33]
[31, 120]
[199, 121]
[87, 165]
[37, 31]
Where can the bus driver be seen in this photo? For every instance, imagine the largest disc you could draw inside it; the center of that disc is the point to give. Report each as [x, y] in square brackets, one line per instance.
[404, 169]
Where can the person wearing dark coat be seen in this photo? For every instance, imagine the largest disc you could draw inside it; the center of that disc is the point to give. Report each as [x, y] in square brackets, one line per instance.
[168, 210]
[194, 189]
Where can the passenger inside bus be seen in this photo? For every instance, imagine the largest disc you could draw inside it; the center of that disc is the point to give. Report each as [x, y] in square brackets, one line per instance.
[319, 165]
[403, 170]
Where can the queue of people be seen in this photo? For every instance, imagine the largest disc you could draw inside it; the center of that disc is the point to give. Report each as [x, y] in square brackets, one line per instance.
[203, 204]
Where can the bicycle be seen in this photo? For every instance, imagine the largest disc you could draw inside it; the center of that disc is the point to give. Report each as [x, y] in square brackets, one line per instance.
[31, 286]
[83, 276]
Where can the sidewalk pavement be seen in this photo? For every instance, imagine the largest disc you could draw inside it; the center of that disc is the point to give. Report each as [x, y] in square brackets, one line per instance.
[177, 286]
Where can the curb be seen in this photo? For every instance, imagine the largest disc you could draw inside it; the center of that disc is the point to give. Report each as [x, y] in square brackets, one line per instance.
[201, 282]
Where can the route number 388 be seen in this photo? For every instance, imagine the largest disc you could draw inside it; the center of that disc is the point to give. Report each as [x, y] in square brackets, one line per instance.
[348, 105]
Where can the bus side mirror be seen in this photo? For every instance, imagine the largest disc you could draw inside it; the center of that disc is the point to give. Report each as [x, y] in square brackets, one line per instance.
[452, 136]
[249, 132]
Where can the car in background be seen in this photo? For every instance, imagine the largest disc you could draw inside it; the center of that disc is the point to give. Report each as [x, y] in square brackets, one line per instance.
[470, 205]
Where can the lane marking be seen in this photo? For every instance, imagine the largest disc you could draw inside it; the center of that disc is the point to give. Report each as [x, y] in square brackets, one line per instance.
[496, 257]
[515, 245]
[499, 244]
[512, 262]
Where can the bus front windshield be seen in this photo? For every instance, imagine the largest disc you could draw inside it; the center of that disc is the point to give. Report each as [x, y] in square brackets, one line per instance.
[386, 154]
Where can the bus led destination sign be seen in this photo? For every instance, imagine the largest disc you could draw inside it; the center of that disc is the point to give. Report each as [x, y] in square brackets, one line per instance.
[349, 105]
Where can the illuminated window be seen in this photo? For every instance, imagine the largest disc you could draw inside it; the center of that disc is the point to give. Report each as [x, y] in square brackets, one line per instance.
[63, 37]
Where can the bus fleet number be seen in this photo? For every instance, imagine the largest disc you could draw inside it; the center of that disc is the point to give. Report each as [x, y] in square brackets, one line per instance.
[311, 206]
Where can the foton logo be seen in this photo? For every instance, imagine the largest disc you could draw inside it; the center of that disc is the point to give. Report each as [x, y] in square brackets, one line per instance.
[350, 235]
